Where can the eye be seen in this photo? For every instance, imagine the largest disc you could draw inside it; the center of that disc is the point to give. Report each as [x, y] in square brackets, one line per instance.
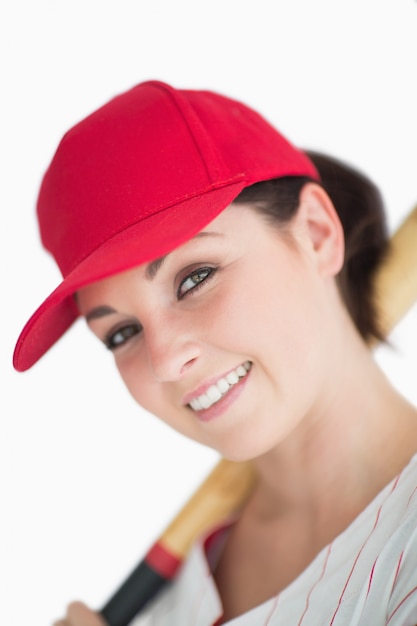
[193, 281]
[119, 336]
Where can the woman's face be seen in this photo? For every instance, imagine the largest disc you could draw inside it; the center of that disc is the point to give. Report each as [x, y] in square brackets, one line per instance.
[223, 339]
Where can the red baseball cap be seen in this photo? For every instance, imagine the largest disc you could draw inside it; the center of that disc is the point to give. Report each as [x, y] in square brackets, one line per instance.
[137, 178]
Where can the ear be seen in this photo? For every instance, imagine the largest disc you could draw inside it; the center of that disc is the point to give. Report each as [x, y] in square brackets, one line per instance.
[321, 229]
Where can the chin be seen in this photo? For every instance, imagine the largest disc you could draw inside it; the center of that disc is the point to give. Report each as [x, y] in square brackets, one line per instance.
[244, 451]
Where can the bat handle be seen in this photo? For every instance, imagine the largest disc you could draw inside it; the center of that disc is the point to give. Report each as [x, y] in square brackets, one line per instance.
[136, 591]
[220, 496]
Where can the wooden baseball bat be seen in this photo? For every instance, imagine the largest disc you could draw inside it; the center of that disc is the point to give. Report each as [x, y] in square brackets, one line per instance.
[229, 484]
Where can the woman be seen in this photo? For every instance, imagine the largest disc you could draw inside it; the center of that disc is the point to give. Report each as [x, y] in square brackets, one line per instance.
[207, 253]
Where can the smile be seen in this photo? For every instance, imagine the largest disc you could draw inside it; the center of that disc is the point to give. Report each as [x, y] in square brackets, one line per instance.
[217, 391]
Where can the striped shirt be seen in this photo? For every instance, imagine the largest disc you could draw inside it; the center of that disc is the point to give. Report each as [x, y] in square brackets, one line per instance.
[366, 577]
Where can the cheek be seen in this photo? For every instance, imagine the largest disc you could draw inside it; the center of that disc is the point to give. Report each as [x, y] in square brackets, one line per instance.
[276, 320]
[265, 307]
[138, 381]
[146, 390]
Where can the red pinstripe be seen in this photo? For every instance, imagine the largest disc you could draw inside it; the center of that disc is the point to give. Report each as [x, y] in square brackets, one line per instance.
[397, 571]
[274, 606]
[371, 577]
[378, 515]
[409, 594]
[329, 549]
[412, 496]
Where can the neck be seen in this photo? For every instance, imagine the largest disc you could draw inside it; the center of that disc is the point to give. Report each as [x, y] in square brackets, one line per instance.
[346, 450]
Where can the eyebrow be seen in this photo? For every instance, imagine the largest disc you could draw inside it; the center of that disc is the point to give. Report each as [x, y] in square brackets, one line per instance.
[99, 311]
[150, 272]
[154, 266]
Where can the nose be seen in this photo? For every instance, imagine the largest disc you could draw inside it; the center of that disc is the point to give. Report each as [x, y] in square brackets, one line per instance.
[171, 349]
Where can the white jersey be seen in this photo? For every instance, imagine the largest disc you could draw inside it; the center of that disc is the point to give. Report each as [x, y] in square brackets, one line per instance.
[366, 577]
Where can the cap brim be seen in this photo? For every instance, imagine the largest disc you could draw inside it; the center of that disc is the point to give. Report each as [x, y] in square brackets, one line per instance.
[145, 241]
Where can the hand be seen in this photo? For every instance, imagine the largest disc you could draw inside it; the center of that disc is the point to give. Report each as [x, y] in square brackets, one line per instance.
[78, 614]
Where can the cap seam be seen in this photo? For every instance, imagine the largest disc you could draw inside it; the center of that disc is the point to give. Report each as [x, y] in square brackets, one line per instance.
[180, 104]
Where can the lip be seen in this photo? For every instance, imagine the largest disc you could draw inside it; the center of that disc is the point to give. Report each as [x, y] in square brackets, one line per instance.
[206, 415]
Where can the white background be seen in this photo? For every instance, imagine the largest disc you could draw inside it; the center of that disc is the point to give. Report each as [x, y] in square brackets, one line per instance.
[87, 479]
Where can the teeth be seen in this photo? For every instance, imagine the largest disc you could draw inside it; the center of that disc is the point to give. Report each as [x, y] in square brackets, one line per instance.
[214, 393]
[232, 378]
[240, 371]
[205, 401]
[222, 386]
[197, 406]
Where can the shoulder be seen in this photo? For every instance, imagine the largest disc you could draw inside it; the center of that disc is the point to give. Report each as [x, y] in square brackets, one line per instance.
[402, 584]
[391, 583]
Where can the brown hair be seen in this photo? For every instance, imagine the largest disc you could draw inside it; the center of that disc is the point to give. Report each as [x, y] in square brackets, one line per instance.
[359, 205]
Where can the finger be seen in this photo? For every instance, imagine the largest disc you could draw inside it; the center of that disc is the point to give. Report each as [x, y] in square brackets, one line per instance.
[78, 614]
